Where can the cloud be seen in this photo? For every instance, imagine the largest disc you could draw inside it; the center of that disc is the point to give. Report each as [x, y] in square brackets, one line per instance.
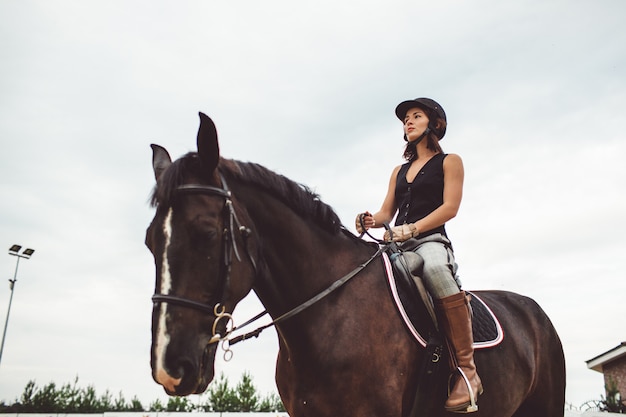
[533, 93]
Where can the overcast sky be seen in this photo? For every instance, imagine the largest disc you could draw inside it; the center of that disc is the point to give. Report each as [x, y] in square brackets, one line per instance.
[535, 93]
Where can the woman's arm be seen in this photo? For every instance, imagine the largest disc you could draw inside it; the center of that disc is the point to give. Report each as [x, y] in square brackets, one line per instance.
[388, 208]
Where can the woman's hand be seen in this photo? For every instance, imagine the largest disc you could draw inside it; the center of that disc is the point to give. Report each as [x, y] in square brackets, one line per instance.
[401, 233]
[364, 219]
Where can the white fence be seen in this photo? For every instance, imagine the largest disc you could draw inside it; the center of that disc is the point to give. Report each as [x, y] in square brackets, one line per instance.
[151, 414]
[568, 413]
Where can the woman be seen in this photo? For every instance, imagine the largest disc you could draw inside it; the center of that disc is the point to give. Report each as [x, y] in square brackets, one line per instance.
[425, 192]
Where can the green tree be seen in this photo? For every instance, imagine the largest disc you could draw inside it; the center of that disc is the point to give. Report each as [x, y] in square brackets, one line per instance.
[69, 396]
[135, 405]
[271, 403]
[105, 402]
[68, 399]
[88, 401]
[156, 405]
[45, 400]
[222, 398]
[247, 398]
[28, 393]
[180, 404]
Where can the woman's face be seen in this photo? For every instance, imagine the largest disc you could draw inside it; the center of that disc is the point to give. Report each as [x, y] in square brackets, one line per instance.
[415, 123]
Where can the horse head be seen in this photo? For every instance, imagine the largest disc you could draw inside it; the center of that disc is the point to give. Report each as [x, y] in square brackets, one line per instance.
[195, 242]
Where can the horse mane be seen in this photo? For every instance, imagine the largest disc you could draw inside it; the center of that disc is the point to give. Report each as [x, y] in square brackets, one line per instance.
[300, 198]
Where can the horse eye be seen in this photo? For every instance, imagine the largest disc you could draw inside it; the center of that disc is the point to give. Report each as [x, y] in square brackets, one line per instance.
[204, 235]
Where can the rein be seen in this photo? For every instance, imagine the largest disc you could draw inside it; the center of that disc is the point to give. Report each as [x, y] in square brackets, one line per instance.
[335, 285]
[231, 222]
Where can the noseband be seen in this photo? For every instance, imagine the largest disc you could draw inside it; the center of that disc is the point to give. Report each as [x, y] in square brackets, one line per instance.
[229, 246]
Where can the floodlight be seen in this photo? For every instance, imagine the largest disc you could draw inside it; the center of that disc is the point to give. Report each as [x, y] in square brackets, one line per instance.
[26, 254]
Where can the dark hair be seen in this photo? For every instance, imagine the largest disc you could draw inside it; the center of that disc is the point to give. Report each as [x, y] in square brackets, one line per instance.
[432, 140]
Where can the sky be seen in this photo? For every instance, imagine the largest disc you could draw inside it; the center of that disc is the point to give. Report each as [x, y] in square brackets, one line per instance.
[534, 92]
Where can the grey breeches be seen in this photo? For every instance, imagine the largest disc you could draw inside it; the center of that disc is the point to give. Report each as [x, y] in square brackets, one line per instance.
[440, 268]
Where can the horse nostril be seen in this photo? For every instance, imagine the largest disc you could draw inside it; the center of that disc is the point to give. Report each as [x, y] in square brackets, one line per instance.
[184, 366]
[185, 369]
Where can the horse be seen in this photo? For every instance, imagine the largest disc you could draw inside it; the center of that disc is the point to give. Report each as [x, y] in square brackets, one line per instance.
[223, 228]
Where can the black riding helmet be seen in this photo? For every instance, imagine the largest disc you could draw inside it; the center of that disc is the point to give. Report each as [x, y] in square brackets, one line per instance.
[430, 106]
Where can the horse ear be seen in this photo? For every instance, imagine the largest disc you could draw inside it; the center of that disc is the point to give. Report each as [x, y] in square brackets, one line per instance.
[208, 148]
[160, 160]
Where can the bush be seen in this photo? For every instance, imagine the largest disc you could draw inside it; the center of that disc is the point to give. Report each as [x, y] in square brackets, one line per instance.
[69, 398]
[613, 402]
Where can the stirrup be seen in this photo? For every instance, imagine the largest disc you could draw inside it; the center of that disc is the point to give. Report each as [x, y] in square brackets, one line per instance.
[472, 407]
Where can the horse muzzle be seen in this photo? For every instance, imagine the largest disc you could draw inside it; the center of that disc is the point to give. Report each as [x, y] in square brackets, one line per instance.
[185, 375]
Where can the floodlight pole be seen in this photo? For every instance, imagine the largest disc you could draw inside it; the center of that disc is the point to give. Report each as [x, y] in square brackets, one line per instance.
[26, 254]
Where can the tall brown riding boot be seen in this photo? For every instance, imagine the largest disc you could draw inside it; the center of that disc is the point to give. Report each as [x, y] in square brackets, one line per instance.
[456, 322]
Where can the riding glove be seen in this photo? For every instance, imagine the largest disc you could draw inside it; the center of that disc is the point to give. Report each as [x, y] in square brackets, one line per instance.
[402, 232]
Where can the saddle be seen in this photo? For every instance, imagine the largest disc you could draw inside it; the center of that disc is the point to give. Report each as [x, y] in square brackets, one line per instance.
[404, 270]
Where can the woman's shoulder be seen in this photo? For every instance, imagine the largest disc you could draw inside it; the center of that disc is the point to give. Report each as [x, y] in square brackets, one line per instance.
[452, 158]
[398, 168]
[453, 162]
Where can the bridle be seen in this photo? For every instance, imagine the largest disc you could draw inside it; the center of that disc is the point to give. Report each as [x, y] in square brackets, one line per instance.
[229, 246]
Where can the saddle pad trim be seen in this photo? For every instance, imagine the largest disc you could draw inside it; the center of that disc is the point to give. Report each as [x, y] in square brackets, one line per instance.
[398, 303]
[500, 332]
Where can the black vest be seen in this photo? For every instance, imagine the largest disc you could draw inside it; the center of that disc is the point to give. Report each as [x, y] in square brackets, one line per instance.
[418, 199]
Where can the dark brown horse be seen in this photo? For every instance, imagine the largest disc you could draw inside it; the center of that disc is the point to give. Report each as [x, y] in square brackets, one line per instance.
[223, 228]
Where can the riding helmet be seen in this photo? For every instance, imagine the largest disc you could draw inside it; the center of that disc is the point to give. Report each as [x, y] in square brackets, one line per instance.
[431, 106]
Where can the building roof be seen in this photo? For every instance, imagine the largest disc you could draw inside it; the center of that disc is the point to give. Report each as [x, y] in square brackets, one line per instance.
[599, 361]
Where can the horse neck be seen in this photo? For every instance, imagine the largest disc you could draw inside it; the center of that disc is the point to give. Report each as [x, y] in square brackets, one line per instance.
[299, 259]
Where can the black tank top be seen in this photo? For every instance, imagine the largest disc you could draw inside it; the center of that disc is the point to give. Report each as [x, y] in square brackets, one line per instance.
[421, 197]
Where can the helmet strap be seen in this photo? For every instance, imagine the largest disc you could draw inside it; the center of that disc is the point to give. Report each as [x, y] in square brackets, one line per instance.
[418, 140]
